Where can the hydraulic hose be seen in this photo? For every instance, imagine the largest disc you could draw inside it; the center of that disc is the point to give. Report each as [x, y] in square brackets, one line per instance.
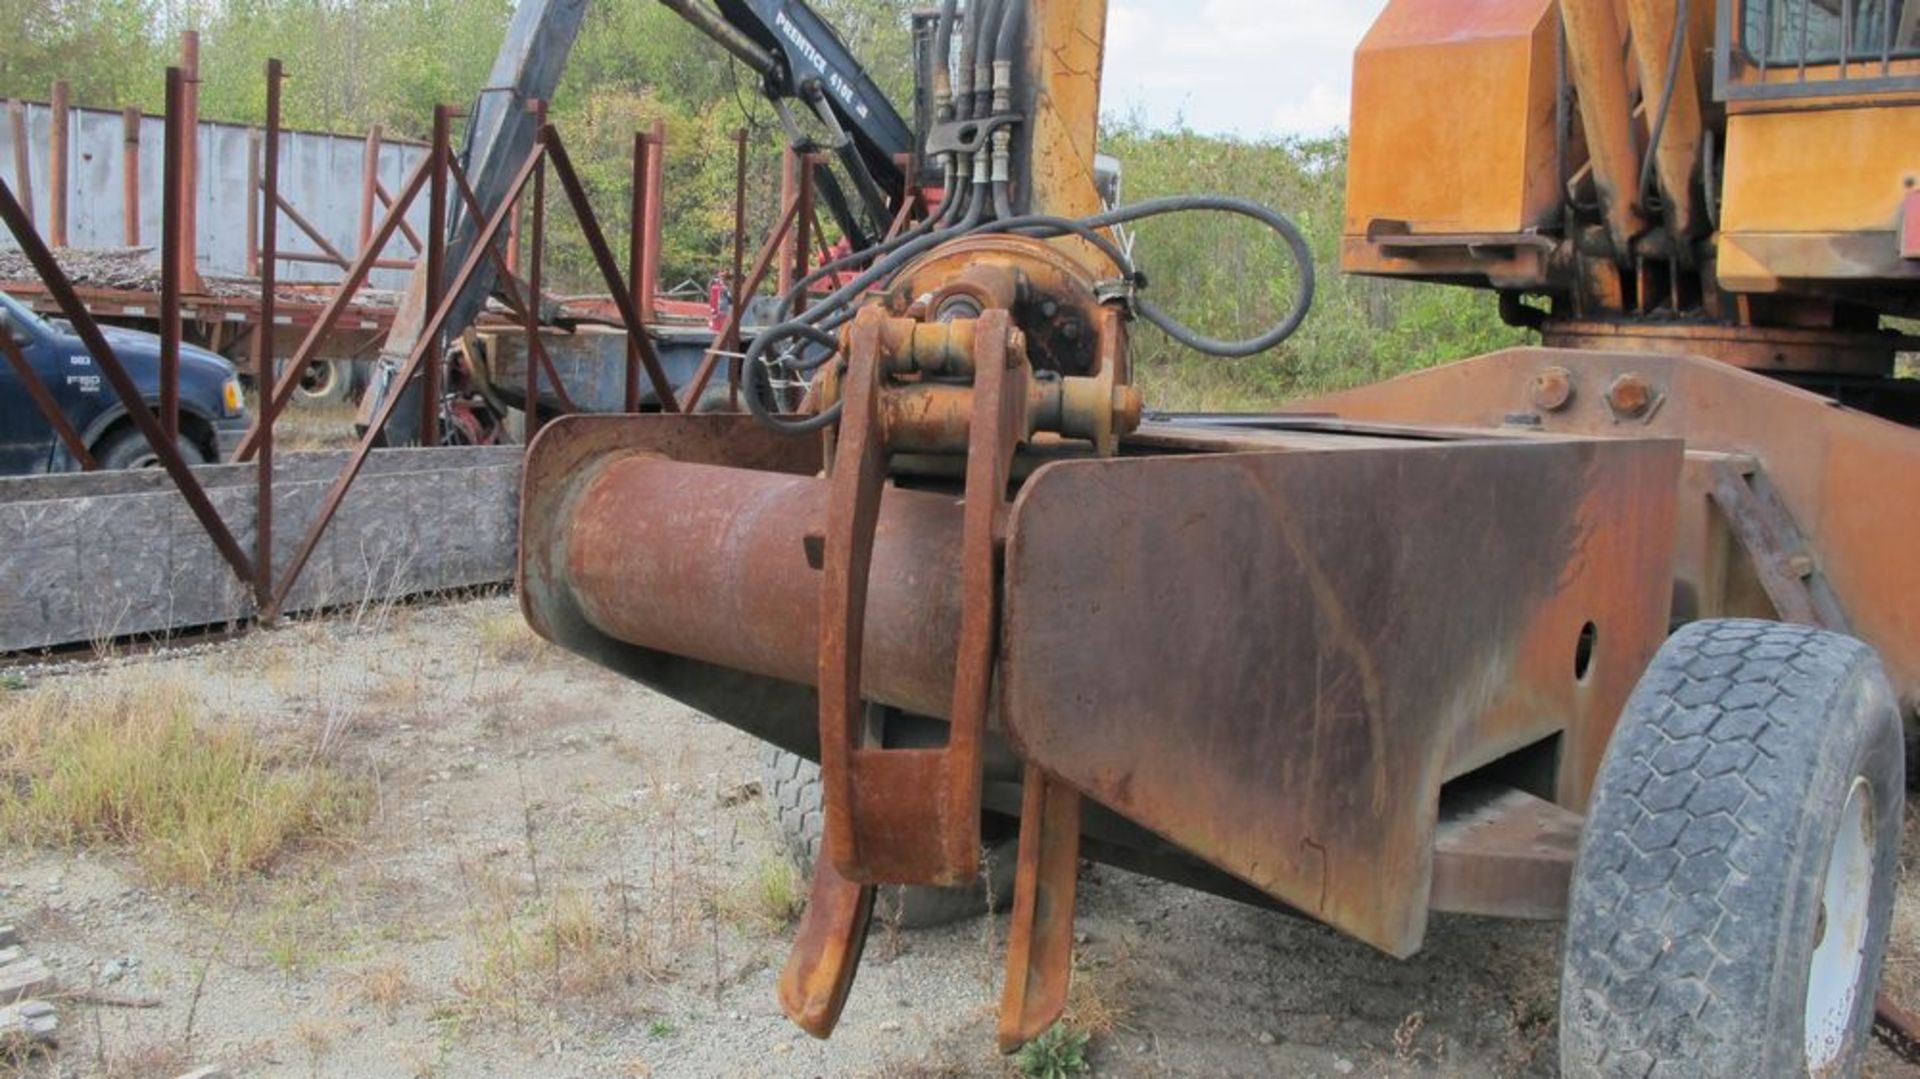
[943, 57]
[980, 202]
[1087, 228]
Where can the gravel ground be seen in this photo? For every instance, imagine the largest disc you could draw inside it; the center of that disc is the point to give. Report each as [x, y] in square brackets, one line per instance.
[511, 783]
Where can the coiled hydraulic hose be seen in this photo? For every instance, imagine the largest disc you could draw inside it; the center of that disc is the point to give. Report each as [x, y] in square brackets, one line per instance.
[979, 205]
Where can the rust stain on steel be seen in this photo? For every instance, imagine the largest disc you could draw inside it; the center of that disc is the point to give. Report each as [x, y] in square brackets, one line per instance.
[1420, 617]
[1850, 481]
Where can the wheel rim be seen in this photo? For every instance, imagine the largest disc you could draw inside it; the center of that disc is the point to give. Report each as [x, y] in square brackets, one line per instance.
[1840, 947]
[317, 380]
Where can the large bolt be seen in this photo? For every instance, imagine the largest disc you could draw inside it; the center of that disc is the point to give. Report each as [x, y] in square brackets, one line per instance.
[1630, 396]
[1553, 389]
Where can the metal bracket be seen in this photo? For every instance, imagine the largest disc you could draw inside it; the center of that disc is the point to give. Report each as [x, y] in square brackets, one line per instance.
[1781, 557]
[967, 136]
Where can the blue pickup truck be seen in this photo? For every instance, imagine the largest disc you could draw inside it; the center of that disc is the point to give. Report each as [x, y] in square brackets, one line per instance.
[213, 413]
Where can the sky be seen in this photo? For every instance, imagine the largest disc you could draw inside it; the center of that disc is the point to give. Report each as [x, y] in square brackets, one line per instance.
[1244, 67]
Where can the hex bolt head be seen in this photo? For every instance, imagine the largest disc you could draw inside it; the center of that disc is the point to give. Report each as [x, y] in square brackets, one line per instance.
[1553, 389]
[1630, 396]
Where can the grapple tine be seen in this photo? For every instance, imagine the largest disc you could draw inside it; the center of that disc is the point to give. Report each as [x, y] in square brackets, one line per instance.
[1040, 935]
[826, 951]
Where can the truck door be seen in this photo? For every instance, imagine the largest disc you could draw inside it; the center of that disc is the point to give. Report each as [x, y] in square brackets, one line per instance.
[26, 438]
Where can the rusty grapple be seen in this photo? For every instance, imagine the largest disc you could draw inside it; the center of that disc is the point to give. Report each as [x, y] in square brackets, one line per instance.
[1358, 671]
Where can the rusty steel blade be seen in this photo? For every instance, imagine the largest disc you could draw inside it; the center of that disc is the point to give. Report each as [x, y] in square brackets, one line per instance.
[826, 951]
[1040, 935]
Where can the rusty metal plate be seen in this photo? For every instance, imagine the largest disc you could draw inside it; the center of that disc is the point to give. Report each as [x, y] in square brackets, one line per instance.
[1274, 659]
[1850, 480]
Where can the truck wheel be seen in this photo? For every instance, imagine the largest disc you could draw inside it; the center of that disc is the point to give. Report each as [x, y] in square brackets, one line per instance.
[793, 797]
[326, 382]
[1734, 888]
[128, 448]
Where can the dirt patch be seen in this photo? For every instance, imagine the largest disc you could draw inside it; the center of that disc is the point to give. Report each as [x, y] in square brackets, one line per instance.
[561, 874]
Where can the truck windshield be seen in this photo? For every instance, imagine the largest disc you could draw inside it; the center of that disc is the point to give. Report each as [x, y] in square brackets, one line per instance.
[23, 316]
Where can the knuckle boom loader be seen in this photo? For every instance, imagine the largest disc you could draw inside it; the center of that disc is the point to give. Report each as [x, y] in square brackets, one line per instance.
[1622, 630]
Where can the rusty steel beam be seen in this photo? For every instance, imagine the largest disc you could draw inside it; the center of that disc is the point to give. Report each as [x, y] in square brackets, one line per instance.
[369, 184]
[172, 222]
[536, 255]
[654, 221]
[528, 310]
[576, 194]
[335, 309]
[57, 165]
[736, 282]
[43, 400]
[189, 268]
[130, 176]
[436, 258]
[638, 239]
[803, 227]
[263, 356]
[332, 254]
[730, 335]
[22, 153]
[84, 327]
[253, 202]
[1504, 854]
[436, 321]
[386, 199]
[327, 260]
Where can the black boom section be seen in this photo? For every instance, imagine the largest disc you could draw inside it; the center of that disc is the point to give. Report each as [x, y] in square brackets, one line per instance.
[817, 68]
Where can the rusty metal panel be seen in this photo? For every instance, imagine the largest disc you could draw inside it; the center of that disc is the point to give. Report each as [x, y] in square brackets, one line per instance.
[1850, 480]
[1274, 659]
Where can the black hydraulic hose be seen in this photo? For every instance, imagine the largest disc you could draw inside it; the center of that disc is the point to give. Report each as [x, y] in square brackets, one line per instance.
[943, 50]
[814, 323]
[1006, 41]
[1088, 228]
[982, 58]
[1008, 37]
[1659, 130]
[963, 79]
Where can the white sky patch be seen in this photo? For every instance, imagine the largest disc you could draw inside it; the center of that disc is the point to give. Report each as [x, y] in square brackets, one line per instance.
[1242, 67]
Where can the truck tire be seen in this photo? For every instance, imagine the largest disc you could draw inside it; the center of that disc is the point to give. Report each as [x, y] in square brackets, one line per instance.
[1735, 883]
[793, 797]
[128, 448]
[326, 382]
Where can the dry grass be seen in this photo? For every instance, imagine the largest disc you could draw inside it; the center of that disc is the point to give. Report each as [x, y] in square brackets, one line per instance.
[136, 766]
[384, 987]
[504, 635]
[1097, 997]
[308, 428]
[771, 899]
[565, 949]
